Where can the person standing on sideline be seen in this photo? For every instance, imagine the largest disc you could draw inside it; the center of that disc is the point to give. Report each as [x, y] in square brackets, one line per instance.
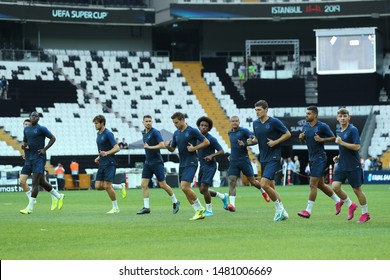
[239, 161]
[223, 167]
[60, 173]
[74, 170]
[296, 171]
[34, 142]
[4, 87]
[185, 139]
[315, 133]
[154, 164]
[208, 165]
[269, 133]
[368, 163]
[242, 73]
[348, 166]
[290, 169]
[107, 148]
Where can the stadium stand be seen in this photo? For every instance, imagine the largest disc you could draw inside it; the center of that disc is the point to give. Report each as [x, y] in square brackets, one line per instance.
[153, 83]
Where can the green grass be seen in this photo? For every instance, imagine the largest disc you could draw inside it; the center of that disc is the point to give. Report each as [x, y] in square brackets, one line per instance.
[82, 230]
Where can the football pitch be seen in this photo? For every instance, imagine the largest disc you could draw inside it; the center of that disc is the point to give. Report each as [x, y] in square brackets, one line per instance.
[83, 231]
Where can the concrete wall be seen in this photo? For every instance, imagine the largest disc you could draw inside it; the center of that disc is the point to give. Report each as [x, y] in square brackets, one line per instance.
[90, 37]
[231, 36]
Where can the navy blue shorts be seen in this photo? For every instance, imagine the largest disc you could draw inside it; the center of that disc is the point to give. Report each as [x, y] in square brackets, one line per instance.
[156, 168]
[106, 173]
[317, 167]
[206, 174]
[187, 173]
[355, 177]
[26, 169]
[268, 169]
[38, 165]
[244, 166]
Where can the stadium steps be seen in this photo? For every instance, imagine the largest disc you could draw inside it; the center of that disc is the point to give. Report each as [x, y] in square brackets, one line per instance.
[385, 159]
[192, 73]
[4, 136]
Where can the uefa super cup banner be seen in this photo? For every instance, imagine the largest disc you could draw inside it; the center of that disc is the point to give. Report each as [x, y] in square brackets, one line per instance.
[69, 14]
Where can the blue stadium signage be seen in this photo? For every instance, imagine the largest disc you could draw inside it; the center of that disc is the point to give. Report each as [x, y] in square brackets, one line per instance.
[285, 10]
[377, 177]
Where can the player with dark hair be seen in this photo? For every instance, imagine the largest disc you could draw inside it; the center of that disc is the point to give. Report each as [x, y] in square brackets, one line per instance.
[239, 161]
[34, 142]
[154, 164]
[26, 169]
[315, 133]
[269, 134]
[107, 148]
[348, 166]
[208, 165]
[185, 139]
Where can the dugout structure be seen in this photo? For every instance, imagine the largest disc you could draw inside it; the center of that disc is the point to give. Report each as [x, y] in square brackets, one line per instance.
[293, 42]
[277, 92]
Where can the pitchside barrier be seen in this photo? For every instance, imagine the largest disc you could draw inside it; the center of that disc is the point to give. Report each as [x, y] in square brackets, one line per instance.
[377, 177]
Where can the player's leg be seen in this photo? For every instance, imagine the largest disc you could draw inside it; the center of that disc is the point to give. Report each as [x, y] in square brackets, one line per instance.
[205, 180]
[247, 170]
[234, 172]
[267, 183]
[313, 185]
[175, 202]
[204, 183]
[35, 185]
[23, 183]
[145, 195]
[363, 203]
[326, 189]
[186, 175]
[24, 174]
[121, 187]
[257, 185]
[355, 178]
[106, 174]
[57, 198]
[272, 185]
[338, 178]
[280, 213]
[112, 195]
[193, 199]
[204, 190]
[223, 196]
[158, 170]
[147, 174]
[267, 180]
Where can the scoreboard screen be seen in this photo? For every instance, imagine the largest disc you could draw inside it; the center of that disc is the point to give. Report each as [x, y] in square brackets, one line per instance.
[348, 51]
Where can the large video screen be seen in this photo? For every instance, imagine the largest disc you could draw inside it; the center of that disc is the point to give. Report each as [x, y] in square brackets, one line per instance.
[346, 51]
